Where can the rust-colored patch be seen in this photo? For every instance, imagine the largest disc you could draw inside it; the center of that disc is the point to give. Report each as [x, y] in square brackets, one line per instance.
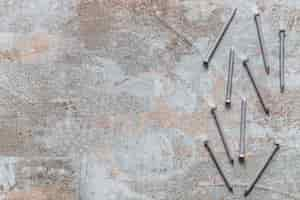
[95, 19]
[27, 50]
[104, 122]
[11, 55]
[42, 193]
[184, 152]
[115, 172]
[39, 43]
[160, 7]
[191, 123]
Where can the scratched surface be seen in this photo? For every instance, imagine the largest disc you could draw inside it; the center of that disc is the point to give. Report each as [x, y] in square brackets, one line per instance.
[108, 100]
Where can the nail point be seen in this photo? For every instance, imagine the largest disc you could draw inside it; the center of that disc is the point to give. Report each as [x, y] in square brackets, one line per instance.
[206, 143]
[213, 108]
[228, 104]
[241, 158]
[245, 62]
[282, 31]
[205, 63]
[267, 111]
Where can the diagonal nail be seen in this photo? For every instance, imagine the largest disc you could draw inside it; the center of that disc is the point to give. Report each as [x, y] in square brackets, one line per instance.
[248, 191]
[257, 20]
[229, 78]
[243, 131]
[245, 64]
[218, 40]
[229, 187]
[281, 59]
[220, 131]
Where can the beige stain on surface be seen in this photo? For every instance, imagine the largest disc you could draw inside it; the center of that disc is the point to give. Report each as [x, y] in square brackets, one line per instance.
[27, 49]
[165, 117]
[41, 193]
[95, 21]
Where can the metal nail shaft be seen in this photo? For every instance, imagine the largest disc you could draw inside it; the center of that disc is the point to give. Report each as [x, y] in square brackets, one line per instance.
[220, 131]
[243, 130]
[229, 187]
[218, 40]
[281, 60]
[229, 78]
[247, 192]
[245, 64]
[257, 20]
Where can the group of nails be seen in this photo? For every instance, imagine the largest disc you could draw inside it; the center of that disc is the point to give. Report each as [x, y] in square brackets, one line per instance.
[242, 145]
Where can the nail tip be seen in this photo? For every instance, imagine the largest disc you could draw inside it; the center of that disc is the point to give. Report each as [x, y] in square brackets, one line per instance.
[245, 62]
[213, 108]
[267, 111]
[228, 104]
[282, 30]
[205, 64]
[205, 143]
[241, 159]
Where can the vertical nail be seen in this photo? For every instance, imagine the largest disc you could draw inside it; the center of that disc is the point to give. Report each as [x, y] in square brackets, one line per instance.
[220, 131]
[247, 192]
[257, 20]
[281, 59]
[212, 156]
[243, 130]
[245, 64]
[218, 40]
[229, 78]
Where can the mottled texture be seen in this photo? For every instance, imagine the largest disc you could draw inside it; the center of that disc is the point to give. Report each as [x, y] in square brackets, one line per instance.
[108, 99]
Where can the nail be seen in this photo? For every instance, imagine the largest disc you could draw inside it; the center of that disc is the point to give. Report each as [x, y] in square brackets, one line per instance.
[243, 131]
[229, 78]
[281, 59]
[229, 187]
[257, 20]
[245, 64]
[247, 192]
[220, 131]
[218, 40]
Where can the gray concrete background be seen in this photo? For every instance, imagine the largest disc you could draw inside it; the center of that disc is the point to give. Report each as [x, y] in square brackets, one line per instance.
[108, 100]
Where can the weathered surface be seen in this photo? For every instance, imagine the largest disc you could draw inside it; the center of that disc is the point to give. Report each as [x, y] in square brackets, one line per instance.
[108, 99]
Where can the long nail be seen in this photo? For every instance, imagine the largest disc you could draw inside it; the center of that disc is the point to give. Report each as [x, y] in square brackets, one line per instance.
[229, 78]
[261, 42]
[243, 131]
[281, 59]
[247, 192]
[245, 64]
[229, 187]
[220, 131]
[218, 40]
